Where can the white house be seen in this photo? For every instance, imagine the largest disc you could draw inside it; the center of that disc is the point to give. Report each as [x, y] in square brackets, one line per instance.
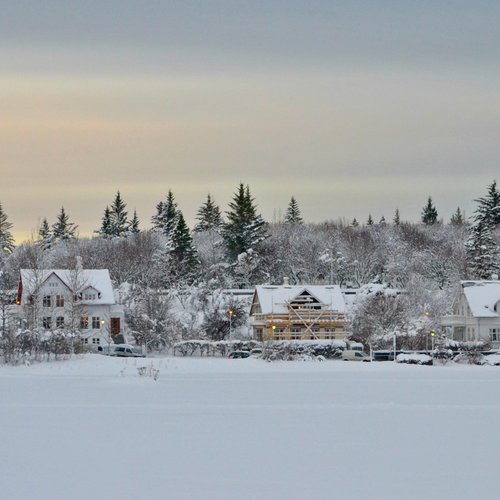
[76, 300]
[476, 312]
[303, 312]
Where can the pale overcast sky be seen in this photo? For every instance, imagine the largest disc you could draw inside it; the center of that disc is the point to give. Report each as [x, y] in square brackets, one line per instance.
[352, 107]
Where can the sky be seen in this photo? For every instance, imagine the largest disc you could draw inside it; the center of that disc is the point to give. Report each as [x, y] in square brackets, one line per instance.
[352, 107]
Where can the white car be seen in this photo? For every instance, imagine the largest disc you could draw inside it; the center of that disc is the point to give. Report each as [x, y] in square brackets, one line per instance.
[352, 355]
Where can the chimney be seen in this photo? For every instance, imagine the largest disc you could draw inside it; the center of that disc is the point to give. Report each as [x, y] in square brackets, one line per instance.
[286, 281]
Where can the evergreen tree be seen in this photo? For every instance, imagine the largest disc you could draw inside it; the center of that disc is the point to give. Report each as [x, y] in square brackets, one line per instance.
[397, 219]
[429, 213]
[369, 222]
[488, 210]
[106, 230]
[354, 222]
[118, 215]
[483, 255]
[6, 239]
[208, 216]
[134, 224]
[63, 229]
[244, 228]
[382, 221]
[166, 217]
[182, 244]
[293, 215]
[45, 235]
[457, 219]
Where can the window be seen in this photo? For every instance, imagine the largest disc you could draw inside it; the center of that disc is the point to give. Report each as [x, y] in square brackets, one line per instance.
[53, 284]
[295, 335]
[59, 301]
[84, 322]
[96, 322]
[60, 322]
[96, 341]
[296, 329]
[47, 322]
[46, 300]
[85, 341]
[90, 296]
[495, 334]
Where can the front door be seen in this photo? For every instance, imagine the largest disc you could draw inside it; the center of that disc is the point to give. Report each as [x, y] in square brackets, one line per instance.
[115, 326]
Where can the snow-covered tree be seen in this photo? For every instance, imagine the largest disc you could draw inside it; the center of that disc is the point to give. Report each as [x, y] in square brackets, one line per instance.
[429, 213]
[182, 248]
[134, 224]
[483, 256]
[369, 222]
[106, 230]
[119, 223]
[6, 239]
[63, 229]
[354, 222]
[208, 216]
[488, 210]
[166, 217]
[45, 235]
[293, 215]
[244, 228]
[382, 221]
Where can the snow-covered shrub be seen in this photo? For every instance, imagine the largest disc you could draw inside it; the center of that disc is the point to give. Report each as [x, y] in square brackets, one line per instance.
[302, 349]
[470, 352]
[210, 348]
[415, 359]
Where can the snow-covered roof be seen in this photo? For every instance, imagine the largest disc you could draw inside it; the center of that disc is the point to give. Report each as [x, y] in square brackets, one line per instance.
[482, 297]
[95, 278]
[275, 299]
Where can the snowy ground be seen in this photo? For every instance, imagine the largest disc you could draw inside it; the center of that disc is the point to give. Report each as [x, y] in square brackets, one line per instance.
[91, 428]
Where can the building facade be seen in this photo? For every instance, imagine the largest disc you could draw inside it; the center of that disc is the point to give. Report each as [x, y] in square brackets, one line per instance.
[289, 312]
[78, 301]
[476, 313]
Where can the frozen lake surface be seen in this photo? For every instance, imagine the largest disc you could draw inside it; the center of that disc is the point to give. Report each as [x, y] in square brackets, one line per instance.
[91, 428]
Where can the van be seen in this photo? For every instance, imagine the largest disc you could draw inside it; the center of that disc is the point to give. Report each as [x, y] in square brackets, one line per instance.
[355, 355]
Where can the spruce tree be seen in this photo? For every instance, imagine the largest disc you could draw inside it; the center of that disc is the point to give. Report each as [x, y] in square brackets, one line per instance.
[45, 235]
[488, 210]
[134, 224]
[208, 216]
[429, 213]
[397, 218]
[118, 215]
[244, 228]
[382, 221]
[166, 217]
[106, 230]
[182, 244]
[7, 244]
[369, 222]
[293, 215]
[483, 255]
[63, 229]
[457, 219]
[354, 222]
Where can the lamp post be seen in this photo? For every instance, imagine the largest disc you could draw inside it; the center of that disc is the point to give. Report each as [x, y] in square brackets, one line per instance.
[230, 313]
[433, 336]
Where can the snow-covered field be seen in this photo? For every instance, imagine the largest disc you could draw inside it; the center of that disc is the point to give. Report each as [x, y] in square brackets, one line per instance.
[91, 428]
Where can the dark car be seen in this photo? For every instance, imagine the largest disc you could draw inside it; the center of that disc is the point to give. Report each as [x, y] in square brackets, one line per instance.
[238, 354]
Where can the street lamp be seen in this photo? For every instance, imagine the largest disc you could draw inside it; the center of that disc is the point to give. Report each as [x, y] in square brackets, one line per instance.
[433, 336]
[230, 312]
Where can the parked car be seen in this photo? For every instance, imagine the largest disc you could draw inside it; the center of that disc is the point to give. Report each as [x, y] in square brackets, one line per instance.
[122, 351]
[239, 354]
[355, 355]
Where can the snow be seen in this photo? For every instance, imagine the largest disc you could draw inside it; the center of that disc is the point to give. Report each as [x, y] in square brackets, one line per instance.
[482, 297]
[224, 429]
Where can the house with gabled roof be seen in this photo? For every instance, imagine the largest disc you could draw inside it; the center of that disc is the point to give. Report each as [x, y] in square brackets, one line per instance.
[298, 312]
[476, 312]
[80, 301]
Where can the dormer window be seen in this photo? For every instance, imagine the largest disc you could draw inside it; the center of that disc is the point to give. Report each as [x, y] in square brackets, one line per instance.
[90, 296]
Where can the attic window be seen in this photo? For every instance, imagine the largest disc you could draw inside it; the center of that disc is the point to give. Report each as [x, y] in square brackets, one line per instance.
[53, 284]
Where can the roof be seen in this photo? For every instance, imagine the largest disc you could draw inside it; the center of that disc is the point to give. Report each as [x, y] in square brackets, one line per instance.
[482, 296]
[274, 299]
[95, 278]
